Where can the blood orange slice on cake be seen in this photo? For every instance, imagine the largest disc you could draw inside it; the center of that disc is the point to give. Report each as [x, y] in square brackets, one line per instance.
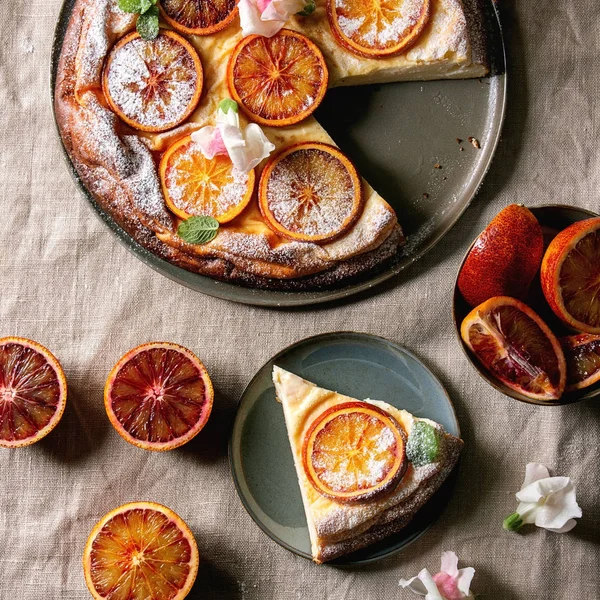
[198, 17]
[198, 186]
[310, 192]
[354, 451]
[33, 392]
[153, 85]
[158, 396]
[277, 81]
[377, 28]
[140, 551]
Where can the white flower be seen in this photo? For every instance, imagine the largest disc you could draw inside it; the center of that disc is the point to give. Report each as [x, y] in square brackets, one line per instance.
[451, 583]
[549, 502]
[266, 17]
[245, 148]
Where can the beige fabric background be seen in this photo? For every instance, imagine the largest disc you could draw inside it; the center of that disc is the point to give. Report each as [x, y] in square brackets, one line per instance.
[67, 282]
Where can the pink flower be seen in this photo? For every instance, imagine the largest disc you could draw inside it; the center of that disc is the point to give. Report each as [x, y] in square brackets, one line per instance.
[451, 583]
[266, 17]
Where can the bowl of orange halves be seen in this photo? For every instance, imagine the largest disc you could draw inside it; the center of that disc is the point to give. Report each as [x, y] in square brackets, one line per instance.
[527, 304]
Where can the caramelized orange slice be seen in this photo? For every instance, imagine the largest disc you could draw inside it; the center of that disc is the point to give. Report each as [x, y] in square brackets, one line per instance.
[198, 17]
[377, 28]
[153, 85]
[354, 452]
[570, 275]
[141, 551]
[310, 192]
[582, 353]
[279, 80]
[195, 185]
[158, 396]
[513, 343]
[33, 392]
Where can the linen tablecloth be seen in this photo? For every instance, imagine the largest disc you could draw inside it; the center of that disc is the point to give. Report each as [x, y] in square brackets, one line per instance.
[66, 282]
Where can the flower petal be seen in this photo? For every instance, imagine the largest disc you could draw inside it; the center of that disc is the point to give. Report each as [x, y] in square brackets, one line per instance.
[566, 527]
[465, 576]
[210, 141]
[414, 585]
[450, 563]
[423, 585]
[533, 472]
[252, 23]
[282, 10]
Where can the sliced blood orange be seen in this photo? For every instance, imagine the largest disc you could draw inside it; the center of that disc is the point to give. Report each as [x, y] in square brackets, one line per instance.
[310, 192]
[277, 81]
[195, 185]
[158, 396]
[140, 551]
[153, 85]
[570, 275]
[377, 28]
[354, 451]
[582, 353]
[33, 392]
[513, 343]
[198, 17]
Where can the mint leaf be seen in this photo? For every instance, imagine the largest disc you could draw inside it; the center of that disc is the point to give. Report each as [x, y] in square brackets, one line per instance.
[146, 5]
[147, 23]
[227, 105]
[423, 445]
[198, 230]
[131, 6]
[309, 9]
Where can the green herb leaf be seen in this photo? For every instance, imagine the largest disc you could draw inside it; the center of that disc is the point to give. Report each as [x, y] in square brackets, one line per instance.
[131, 6]
[198, 230]
[309, 9]
[513, 522]
[228, 104]
[146, 5]
[423, 445]
[147, 23]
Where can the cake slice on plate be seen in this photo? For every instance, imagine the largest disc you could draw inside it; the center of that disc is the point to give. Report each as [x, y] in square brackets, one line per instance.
[364, 467]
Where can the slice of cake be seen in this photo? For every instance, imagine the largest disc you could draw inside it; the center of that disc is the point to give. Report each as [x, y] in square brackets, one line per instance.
[364, 467]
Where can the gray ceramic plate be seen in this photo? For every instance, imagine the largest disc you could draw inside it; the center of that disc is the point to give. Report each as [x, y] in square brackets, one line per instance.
[395, 133]
[355, 364]
[553, 218]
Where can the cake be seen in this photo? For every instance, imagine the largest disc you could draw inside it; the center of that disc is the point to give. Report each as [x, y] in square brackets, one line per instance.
[131, 110]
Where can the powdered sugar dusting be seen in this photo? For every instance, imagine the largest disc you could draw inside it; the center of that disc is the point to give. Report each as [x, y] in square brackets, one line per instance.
[310, 191]
[383, 26]
[152, 82]
[195, 183]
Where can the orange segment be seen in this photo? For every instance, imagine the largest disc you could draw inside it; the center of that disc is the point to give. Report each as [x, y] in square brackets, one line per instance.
[582, 353]
[570, 275]
[377, 28]
[198, 17]
[33, 392]
[140, 551]
[310, 192]
[354, 451]
[513, 343]
[195, 185]
[153, 85]
[279, 80]
[158, 396]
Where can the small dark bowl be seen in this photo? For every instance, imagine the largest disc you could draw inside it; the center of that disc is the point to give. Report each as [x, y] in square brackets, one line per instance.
[553, 218]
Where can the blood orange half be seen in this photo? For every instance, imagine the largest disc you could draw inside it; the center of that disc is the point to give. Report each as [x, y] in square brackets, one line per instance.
[582, 353]
[310, 192]
[158, 396]
[277, 81]
[354, 451]
[140, 551]
[570, 275]
[377, 28]
[513, 343]
[153, 85]
[33, 392]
